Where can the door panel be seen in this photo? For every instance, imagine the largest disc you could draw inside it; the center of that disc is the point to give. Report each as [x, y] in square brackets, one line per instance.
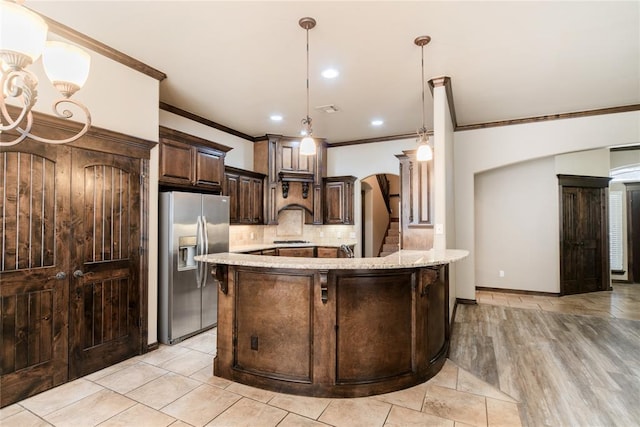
[633, 230]
[584, 245]
[105, 295]
[33, 302]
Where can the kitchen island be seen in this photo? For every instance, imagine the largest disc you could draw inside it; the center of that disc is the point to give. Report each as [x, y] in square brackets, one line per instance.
[332, 327]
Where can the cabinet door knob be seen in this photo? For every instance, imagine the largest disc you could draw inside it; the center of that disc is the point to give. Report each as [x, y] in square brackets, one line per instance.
[60, 275]
[78, 274]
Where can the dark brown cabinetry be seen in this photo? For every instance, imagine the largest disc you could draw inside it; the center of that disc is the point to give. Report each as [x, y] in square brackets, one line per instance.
[296, 252]
[73, 270]
[584, 234]
[245, 191]
[416, 195]
[338, 200]
[187, 161]
[293, 181]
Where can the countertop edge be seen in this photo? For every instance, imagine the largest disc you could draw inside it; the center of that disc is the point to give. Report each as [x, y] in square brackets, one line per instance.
[400, 259]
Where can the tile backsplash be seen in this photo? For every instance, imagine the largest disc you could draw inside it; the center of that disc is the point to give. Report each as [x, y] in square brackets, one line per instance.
[290, 226]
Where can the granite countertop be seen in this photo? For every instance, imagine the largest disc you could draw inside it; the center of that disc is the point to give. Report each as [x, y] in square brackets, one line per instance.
[401, 259]
[261, 246]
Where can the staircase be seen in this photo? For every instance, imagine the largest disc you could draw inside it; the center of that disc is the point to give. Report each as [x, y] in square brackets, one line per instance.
[391, 239]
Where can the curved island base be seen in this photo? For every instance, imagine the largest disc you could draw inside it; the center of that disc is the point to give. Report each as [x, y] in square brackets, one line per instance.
[342, 332]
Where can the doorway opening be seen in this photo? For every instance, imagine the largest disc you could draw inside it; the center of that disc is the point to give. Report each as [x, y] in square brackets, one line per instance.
[380, 196]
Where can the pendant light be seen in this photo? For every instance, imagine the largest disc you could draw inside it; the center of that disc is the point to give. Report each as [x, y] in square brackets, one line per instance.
[425, 152]
[307, 145]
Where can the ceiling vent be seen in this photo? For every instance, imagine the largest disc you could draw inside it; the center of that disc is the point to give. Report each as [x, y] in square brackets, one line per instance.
[328, 108]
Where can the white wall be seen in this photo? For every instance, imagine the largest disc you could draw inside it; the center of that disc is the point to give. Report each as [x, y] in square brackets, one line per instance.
[480, 150]
[585, 163]
[241, 156]
[119, 98]
[516, 223]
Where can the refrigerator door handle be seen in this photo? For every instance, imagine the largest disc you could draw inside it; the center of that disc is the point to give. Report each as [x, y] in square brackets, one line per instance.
[205, 227]
[199, 251]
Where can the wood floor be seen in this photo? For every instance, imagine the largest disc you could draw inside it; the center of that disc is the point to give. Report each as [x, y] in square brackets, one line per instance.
[570, 361]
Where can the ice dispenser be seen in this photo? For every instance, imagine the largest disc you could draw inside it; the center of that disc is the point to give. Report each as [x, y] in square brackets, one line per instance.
[186, 251]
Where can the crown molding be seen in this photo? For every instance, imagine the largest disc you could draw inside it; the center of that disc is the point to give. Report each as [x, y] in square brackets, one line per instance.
[101, 48]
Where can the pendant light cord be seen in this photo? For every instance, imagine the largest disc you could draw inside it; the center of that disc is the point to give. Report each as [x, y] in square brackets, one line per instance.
[422, 64]
[308, 118]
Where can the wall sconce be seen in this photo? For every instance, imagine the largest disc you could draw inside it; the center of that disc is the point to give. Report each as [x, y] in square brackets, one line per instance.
[23, 35]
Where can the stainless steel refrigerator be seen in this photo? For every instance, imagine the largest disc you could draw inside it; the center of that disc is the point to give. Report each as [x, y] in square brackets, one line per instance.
[190, 224]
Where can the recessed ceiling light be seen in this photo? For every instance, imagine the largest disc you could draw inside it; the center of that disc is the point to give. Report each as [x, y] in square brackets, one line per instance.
[276, 117]
[330, 73]
[377, 122]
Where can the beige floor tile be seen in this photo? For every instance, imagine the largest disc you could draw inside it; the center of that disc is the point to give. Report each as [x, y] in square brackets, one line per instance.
[362, 412]
[163, 354]
[205, 375]
[251, 392]
[205, 343]
[111, 369]
[447, 377]
[131, 377]
[201, 405]
[59, 397]
[295, 420]
[249, 413]
[179, 423]
[188, 363]
[91, 410]
[470, 383]
[502, 414]
[410, 398]
[139, 416]
[164, 390]
[24, 419]
[7, 411]
[455, 405]
[403, 417]
[310, 407]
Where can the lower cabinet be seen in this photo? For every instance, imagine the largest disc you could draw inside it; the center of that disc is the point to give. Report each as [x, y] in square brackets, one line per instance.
[72, 272]
[297, 252]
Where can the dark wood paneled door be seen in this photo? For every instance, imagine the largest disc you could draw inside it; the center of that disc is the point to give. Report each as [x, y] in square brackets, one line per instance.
[584, 243]
[633, 230]
[104, 315]
[34, 262]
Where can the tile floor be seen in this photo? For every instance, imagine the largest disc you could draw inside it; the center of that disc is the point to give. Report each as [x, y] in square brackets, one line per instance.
[174, 386]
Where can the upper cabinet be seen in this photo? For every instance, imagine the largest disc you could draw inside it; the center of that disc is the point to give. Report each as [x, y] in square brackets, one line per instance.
[245, 191]
[338, 200]
[416, 183]
[293, 180]
[187, 161]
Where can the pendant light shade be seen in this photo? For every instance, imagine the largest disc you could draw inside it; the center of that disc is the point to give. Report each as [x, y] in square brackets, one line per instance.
[425, 152]
[308, 144]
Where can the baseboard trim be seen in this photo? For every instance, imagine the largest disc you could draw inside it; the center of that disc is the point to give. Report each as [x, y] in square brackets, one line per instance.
[518, 291]
[466, 301]
[152, 346]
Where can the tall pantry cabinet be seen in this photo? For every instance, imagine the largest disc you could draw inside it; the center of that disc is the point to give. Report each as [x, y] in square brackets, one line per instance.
[73, 270]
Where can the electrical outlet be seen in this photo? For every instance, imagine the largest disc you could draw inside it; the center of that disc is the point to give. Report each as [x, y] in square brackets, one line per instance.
[252, 236]
[439, 229]
[339, 234]
[501, 273]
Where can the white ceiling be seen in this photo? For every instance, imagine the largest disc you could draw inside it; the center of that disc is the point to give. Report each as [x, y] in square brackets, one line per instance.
[238, 62]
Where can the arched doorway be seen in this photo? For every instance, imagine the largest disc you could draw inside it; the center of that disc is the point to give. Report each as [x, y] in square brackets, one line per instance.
[380, 198]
